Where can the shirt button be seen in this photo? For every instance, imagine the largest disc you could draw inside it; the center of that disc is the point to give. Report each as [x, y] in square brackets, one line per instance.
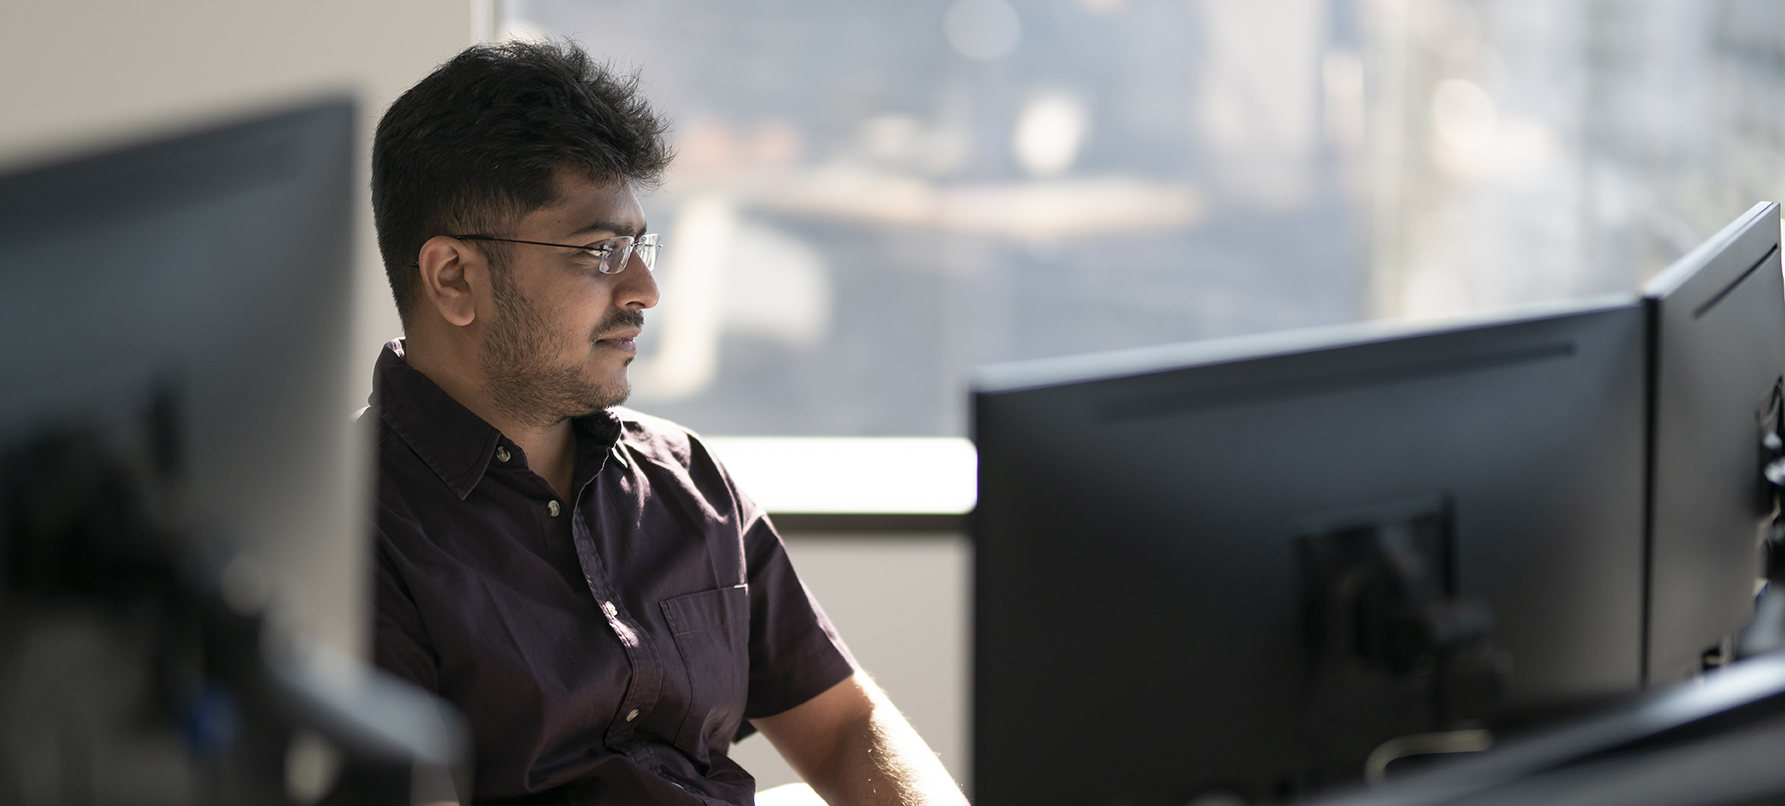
[632, 716]
[501, 454]
[609, 609]
[552, 507]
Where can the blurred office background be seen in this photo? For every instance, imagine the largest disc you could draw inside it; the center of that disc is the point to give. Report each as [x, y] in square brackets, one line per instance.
[873, 197]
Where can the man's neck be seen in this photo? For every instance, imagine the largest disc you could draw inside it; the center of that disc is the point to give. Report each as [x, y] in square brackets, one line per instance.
[550, 449]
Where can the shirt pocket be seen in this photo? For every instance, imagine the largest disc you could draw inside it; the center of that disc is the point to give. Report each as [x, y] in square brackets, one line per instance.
[711, 630]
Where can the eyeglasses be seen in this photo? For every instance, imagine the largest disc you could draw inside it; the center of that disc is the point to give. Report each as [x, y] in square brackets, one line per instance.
[610, 256]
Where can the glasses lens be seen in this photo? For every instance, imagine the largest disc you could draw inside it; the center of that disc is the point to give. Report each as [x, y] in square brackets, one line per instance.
[620, 251]
[618, 254]
[646, 247]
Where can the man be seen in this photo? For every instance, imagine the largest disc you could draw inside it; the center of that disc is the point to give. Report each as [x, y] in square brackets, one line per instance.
[584, 581]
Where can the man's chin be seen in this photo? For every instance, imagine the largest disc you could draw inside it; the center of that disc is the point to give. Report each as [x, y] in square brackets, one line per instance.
[625, 393]
[608, 395]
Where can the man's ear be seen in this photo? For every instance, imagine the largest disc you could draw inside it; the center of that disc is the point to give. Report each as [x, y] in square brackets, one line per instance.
[451, 274]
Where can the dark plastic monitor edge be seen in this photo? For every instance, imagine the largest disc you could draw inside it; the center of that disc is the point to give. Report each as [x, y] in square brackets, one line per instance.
[1676, 275]
[153, 134]
[1677, 706]
[1039, 373]
[168, 171]
[1651, 387]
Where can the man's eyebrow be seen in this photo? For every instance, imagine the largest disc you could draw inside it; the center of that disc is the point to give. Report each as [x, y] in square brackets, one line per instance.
[609, 226]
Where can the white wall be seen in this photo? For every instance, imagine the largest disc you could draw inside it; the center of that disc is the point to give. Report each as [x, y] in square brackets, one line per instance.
[79, 73]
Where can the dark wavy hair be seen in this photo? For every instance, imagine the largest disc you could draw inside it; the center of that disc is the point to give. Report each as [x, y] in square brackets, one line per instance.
[476, 144]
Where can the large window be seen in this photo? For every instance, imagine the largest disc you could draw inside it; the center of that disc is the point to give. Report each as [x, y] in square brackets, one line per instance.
[871, 198]
[1534, 149]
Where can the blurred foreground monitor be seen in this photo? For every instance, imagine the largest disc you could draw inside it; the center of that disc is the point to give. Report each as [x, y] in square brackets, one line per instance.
[180, 518]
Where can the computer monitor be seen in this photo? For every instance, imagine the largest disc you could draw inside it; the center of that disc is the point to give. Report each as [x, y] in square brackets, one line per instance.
[177, 470]
[1188, 558]
[216, 265]
[1717, 331]
[1718, 322]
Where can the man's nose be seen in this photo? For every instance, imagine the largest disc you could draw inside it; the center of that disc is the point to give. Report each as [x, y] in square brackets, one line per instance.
[637, 287]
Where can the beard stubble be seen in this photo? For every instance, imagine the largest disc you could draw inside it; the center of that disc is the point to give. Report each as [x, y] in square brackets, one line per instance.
[525, 382]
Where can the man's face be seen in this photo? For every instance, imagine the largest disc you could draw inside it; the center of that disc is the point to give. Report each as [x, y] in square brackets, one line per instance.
[561, 333]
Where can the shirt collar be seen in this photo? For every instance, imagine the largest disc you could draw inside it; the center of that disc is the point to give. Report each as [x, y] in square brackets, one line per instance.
[451, 440]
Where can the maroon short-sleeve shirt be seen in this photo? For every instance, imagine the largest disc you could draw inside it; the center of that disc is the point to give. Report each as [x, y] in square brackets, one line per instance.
[606, 648]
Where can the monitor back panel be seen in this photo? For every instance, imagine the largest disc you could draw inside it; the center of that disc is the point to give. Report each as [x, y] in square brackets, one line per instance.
[1138, 623]
[1719, 324]
[215, 265]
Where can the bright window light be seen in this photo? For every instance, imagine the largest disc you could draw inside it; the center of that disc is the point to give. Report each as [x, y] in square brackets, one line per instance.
[887, 475]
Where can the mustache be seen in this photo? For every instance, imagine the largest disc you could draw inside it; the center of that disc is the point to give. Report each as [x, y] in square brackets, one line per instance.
[617, 319]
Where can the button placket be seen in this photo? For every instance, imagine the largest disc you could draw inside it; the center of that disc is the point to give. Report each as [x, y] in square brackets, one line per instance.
[642, 691]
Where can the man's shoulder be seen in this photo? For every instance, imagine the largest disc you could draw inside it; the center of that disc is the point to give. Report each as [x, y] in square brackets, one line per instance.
[636, 421]
[679, 450]
[657, 436]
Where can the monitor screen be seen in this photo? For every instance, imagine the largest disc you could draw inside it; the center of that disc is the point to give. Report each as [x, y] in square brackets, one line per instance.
[1229, 567]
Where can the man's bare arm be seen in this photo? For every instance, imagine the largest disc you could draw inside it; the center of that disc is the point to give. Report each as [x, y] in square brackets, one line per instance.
[855, 749]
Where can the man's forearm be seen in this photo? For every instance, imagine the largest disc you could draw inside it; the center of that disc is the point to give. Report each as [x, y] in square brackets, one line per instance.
[856, 749]
[883, 761]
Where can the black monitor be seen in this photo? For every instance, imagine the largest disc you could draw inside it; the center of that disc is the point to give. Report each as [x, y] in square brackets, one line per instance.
[178, 484]
[1241, 566]
[1718, 319]
[216, 264]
